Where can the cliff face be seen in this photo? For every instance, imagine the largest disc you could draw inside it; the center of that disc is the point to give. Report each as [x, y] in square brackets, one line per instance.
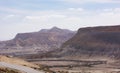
[95, 41]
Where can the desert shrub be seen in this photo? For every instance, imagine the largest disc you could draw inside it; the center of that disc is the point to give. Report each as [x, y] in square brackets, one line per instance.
[6, 70]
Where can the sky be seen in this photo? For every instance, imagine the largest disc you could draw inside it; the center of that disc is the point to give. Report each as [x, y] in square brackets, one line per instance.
[20, 16]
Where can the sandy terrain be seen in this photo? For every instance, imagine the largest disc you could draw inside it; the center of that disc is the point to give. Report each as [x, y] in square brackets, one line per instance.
[17, 61]
[19, 67]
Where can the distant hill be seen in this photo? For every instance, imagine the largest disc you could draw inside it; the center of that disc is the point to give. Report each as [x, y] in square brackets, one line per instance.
[43, 40]
[94, 42]
[49, 37]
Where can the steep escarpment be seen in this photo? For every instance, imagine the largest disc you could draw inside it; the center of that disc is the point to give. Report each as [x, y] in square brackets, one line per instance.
[94, 41]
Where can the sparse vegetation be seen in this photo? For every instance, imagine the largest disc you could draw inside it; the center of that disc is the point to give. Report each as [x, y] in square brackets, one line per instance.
[46, 69]
[6, 70]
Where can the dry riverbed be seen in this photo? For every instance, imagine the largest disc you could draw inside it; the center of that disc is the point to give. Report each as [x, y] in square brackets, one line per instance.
[73, 66]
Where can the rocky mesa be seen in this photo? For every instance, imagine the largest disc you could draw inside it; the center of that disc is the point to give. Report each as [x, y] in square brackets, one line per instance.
[94, 42]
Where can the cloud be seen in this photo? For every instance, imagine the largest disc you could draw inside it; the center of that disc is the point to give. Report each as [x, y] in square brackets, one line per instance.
[112, 10]
[91, 1]
[12, 10]
[76, 9]
[28, 15]
[44, 17]
[70, 18]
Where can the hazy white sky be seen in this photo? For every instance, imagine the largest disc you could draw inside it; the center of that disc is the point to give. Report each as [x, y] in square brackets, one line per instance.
[18, 16]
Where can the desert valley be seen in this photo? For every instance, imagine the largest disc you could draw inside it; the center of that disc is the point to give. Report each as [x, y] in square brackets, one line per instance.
[59, 36]
[55, 50]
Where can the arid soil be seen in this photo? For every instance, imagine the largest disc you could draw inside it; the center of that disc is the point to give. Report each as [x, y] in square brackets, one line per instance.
[8, 70]
[80, 67]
